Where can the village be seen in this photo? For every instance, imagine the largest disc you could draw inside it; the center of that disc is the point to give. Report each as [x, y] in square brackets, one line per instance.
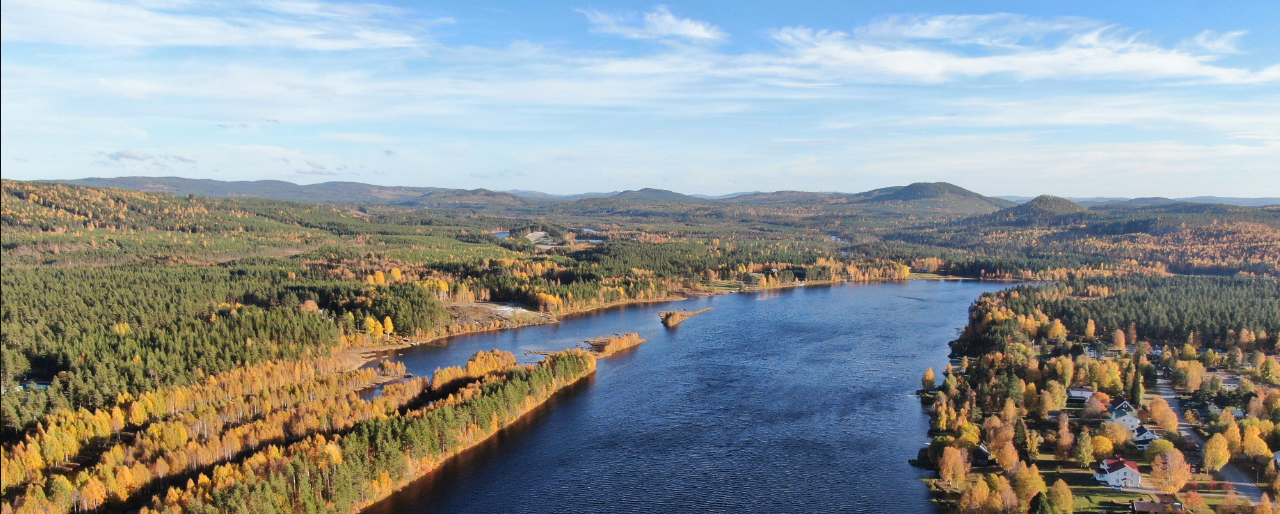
[1071, 426]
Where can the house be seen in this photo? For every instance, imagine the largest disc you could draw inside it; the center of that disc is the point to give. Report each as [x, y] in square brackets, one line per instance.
[1122, 404]
[1126, 418]
[1117, 472]
[1079, 393]
[1147, 507]
[981, 456]
[1142, 436]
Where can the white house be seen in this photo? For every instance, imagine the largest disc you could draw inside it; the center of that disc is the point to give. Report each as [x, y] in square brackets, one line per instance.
[1127, 419]
[1080, 393]
[1117, 472]
[1142, 436]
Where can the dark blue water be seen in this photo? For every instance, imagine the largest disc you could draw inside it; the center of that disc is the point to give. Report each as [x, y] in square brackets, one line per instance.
[785, 401]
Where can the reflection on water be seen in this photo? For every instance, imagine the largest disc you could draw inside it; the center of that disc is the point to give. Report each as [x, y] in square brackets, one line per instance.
[800, 404]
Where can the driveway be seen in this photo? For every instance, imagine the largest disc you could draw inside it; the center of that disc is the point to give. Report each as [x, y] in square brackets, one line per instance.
[1243, 483]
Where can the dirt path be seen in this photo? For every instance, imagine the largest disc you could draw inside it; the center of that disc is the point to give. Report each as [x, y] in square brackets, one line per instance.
[1243, 483]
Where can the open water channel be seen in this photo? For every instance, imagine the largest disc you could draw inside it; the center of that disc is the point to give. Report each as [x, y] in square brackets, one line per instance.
[785, 401]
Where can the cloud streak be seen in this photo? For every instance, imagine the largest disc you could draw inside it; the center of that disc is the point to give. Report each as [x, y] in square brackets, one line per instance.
[94, 23]
[896, 50]
[658, 24]
[131, 155]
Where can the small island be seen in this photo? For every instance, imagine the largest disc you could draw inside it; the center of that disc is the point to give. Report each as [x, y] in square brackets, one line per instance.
[606, 346]
[671, 319]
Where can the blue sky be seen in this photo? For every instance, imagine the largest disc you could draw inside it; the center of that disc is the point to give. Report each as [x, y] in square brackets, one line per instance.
[1014, 98]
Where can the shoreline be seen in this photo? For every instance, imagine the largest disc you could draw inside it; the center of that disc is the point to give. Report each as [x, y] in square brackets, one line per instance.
[354, 358]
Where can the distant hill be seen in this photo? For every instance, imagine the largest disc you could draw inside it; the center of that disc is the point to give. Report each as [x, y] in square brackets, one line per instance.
[1100, 200]
[1047, 205]
[793, 198]
[468, 199]
[658, 194]
[536, 195]
[1041, 210]
[328, 192]
[724, 197]
[937, 197]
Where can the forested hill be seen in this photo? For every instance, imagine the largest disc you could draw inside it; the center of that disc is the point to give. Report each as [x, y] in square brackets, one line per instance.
[328, 192]
[924, 198]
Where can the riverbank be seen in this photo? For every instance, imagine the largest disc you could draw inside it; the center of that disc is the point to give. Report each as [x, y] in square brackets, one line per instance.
[469, 319]
[475, 434]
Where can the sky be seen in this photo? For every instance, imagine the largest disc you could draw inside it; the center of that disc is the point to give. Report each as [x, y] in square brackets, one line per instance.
[1087, 98]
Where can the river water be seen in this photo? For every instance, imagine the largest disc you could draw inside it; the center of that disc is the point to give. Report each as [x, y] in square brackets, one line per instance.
[783, 401]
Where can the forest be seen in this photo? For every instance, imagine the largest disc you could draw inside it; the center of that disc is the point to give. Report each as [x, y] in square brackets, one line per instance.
[186, 353]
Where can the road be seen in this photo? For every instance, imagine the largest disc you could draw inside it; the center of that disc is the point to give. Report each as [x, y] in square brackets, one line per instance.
[1243, 483]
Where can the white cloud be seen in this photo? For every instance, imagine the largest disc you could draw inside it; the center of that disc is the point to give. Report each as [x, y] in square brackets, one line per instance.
[659, 24]
[131, 155]
[1000, 29]
[1100, 53]
[1219, 43]
[95, 23]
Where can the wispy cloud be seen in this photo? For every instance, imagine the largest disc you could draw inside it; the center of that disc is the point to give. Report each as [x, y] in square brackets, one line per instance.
[131, 155]
[1000, 29]
[658, 24]
[1083, 50]
[1224, 43]
[93, 23]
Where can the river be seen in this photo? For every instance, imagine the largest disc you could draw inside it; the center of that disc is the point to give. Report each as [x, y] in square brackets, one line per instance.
[795, 400]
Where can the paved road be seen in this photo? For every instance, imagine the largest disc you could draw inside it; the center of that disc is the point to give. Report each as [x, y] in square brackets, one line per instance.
[1243, 483]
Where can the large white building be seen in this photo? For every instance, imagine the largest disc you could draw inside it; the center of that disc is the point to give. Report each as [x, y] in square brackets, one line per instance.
[1117, 472]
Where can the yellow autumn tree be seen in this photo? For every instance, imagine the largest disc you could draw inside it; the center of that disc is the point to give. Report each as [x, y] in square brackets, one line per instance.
[1216, 453]
[1117, 340]
[1170, 472]
[974, 500]
[1253, 446]
[1061, 498]
[928, 381]
[372, 327]
[1056, 330]
[1102, 447]
[953, 468]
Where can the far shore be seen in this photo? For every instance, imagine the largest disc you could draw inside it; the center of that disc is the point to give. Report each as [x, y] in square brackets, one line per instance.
[354, 358]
